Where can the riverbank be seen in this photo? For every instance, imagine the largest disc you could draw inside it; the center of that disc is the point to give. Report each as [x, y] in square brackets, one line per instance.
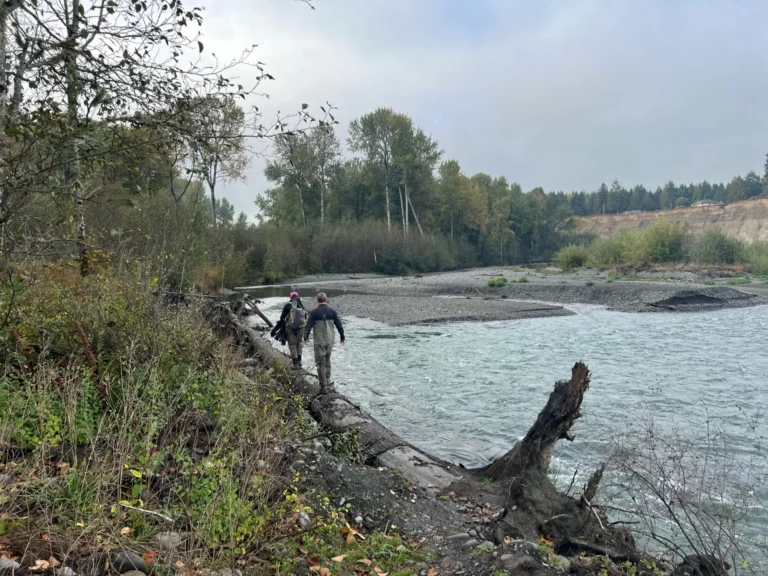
[400, 300]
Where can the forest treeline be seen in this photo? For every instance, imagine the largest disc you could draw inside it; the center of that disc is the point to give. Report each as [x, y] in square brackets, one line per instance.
[395, 204]
[114, 154]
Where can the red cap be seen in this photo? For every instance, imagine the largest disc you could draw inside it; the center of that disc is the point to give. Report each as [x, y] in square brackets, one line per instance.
[294, 294]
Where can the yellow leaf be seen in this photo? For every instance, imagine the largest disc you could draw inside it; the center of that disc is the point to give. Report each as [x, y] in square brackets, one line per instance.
[135, 473]
[303, 550]
[126, 531]
[379, 571]
[53, 562]
[179, 564]
[365, 561]
[339, 558]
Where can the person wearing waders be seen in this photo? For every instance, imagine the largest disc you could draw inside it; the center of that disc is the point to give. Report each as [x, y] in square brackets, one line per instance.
[294, 317]
[323, 319]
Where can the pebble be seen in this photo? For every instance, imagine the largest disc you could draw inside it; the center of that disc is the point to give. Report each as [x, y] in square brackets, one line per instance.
[505, 557]
[230, 572]
[318, 446]
[473, 533]
[401, 548]
[514, 507]
[6, 564]
[304, 520]
[358, 520]
[261, 465]
[133, 573]
[299, 463]
[471, 543]
[312, 468]
[459, 536]
[127, 561]
[342, 501]
[65, 571]
[369, 523]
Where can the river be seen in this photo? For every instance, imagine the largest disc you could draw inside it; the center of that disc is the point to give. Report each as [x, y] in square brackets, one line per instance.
[467, 392]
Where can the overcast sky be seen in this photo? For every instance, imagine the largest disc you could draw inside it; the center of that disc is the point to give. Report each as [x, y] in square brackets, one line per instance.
[559, 94]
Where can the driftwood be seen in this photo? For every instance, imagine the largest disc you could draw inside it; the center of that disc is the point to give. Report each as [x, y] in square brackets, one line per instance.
[253, 306]
[554, 423]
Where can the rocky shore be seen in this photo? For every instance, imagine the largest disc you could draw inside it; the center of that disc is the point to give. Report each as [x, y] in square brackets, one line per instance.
[465, 295]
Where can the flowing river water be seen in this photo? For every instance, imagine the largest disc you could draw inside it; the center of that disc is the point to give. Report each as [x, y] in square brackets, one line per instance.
[467, 392]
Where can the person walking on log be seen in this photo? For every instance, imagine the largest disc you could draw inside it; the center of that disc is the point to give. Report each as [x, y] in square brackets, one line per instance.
[323, 319]
[294, 318]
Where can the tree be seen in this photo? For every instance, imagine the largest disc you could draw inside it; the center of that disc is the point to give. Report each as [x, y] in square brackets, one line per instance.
[765, 177]
[373, 135]
[218, 147]
[325, 152]
[78, 68]
[293, 167]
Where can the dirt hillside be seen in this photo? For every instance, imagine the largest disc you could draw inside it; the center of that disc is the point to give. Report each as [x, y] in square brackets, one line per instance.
[747, 220]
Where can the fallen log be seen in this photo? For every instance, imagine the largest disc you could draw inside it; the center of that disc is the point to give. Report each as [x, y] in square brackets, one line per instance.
[379, 446]
[253, 306]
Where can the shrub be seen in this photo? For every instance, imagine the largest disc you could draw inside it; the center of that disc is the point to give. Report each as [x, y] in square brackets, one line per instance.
[497, 282]
[665, 241]
[604, 253]
[756, 257]
[714, 247]
[739, 280]
[634, 250]
[571, 257]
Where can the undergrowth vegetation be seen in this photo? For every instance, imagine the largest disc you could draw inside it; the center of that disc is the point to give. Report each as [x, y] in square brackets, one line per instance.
[122, 418]
[664, 242]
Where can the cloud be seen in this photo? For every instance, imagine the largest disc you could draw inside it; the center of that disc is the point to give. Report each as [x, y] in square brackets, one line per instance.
[558, 94]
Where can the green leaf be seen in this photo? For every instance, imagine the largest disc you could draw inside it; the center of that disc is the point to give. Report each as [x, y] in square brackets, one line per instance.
[135, 473]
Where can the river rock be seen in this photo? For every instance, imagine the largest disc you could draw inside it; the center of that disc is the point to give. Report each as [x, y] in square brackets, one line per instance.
[169, 540]
[358, 520]
[133, 573]
[318, 447]
[8, 566]
[304, 520]
[65, 571]
[484, 546]
[473, 533]
[471, 543]
[127, 561]
[459, 536]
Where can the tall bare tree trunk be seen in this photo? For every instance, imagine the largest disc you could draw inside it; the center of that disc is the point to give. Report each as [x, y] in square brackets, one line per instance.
[386, 194]
[416, 217]
[212, 178]
[72, 171]
[407, 222]
[402, 213]
[322, 203]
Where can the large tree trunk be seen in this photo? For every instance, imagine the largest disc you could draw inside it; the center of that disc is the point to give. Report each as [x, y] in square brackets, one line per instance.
[386, 194]
[534, 452]
[402, 212]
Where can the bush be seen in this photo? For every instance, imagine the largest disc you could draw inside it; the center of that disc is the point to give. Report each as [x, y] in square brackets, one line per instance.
[714, 247]
[571, 257]
[497, 282]
[739, 280]
[604, 253]
[756, 257]
[665, 241]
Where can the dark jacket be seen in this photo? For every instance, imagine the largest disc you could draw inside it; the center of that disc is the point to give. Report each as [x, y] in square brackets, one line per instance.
[323, 319]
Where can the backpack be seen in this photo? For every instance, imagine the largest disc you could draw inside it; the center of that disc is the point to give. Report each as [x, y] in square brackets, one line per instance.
[297, 318]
